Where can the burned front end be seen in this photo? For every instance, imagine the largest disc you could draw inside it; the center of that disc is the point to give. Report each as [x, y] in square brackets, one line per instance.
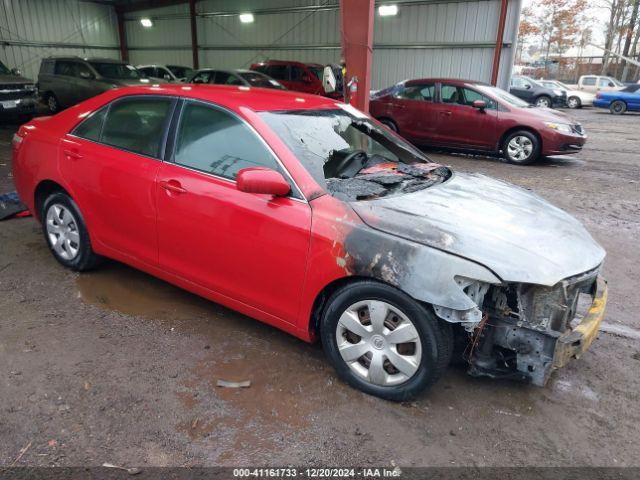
[526, 331]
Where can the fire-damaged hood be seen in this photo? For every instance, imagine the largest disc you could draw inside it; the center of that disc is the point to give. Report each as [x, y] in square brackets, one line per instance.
[514, 233]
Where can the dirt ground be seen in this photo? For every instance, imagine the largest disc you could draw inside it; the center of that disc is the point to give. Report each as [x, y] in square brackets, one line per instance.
[116, 366]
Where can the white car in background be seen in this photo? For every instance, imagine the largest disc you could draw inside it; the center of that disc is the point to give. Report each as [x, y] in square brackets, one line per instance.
[575, 98]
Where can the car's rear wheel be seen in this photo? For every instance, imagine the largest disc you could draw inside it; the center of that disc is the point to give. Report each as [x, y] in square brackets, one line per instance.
[618, 107]
[383, 342]
[52, 103]
[574, 102]
[66, 233]
[543, 102]
[521, 147]
[390, 124]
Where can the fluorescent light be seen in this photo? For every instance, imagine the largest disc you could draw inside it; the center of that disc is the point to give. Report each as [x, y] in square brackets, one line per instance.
[146, 22]
[246, 17]
[387, 10]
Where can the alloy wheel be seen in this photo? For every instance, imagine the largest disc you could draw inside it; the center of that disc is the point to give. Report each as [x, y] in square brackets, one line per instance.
[573, 102]
[543, 102]
[520, 148]
[62, 230]
[379, 343]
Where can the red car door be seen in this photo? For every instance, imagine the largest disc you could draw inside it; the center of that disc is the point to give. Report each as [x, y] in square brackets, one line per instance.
[412, 109]
[110, 162]
[461, 124]
[251, 248]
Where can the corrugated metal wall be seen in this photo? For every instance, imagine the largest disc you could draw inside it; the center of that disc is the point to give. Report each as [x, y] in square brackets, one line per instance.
[33, 29]
[451, 38]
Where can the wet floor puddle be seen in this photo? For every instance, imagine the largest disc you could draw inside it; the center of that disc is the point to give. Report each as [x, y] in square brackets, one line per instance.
[283, 370]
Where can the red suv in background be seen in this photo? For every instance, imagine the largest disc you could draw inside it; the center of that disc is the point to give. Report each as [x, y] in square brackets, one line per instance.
[301, 77]
[474, 116]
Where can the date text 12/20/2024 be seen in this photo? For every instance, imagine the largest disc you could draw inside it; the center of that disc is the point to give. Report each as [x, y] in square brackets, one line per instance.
[292, 472]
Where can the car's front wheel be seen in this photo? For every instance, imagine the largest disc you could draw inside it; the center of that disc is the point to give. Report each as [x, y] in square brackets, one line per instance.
[618, 107]
[66, 233]
[383, 342]
[521, 147]
[574, 102]
[543, 102]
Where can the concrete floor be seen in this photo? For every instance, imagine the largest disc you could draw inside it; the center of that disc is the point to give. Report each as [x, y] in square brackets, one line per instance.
[116, 366]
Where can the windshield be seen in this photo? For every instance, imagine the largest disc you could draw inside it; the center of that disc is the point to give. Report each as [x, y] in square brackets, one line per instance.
[256, 79]
[4, 70]
[115, 70]
[351, 156]
[503, 95]
[180, 72]
[550, 84]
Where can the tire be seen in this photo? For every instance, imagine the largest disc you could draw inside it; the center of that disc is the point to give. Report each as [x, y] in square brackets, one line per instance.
[390, 124]
[521, 148]
[52, 103]
[574, 102]
[543, 101]
[421, 362]
[618, 107]
[61, 217]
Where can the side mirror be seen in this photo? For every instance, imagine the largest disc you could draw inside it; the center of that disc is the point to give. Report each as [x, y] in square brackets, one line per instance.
[262, 180]
[527, 86]
[306, 79]
[16, 71]
[479, 104]
[611, 84]
[167, 77]
[86, 75]
[329, 81]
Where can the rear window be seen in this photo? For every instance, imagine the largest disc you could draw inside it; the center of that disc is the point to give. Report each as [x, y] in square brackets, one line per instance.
[46, 67]
[137, 124]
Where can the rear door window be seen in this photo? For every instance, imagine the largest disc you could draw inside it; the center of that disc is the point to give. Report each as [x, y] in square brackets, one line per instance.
[279, 72]
[422, 92]
[214, 141]
[64, 67]
[137, 124]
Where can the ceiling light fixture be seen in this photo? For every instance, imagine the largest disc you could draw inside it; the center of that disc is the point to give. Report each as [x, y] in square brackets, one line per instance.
[146, 22]
[246, 17]
[387, 10]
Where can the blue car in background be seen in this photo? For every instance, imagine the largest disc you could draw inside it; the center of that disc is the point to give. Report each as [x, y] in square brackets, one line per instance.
[620, 101]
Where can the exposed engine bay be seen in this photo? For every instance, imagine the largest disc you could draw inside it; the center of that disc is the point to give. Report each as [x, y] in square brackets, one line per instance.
[358, 176]
[526, 331]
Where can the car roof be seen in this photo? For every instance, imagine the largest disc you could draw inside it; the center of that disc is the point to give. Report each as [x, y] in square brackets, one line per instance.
[236, 97]
[452, 81]
[287, 62]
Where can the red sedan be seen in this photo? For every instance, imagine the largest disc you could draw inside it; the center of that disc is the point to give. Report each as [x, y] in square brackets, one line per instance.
[473, 116]
[304, 213]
